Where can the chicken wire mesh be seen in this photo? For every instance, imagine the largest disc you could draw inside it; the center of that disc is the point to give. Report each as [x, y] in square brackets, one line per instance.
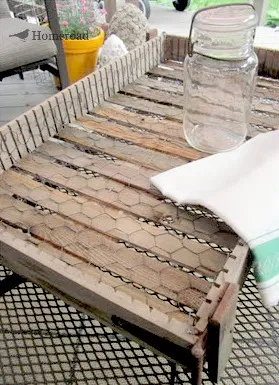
[45, 341]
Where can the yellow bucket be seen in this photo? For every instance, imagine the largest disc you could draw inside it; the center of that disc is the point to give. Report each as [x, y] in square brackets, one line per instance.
[81, 56]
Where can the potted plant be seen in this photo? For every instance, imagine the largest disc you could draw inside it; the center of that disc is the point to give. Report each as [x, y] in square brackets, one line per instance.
[80, 23]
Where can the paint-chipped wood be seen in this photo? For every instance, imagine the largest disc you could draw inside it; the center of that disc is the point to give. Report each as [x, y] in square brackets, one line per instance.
[79, 216]
[220, 334]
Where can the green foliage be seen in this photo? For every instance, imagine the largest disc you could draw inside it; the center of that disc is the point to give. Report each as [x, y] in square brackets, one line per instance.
[198, 4]
[272, 15]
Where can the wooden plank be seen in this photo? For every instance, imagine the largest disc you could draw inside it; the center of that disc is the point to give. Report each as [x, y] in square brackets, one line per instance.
[167, 72]
[220, 335]
[163, 127]
[149, 208]
[267, 90]
[258, 116]
[98, 87]
[76, 287]
[125, 151]
[266, 106]
[174, 97]
[96, 242]
[160, 96]
[178, 65]
[264, 119]
[261, 53]
[138, 177]
[172, 70]
[104, 83]
[7, 147]
[147, 106]
[175, 48]
[201, 257]
[160, 84]
[146, 140]
[270, 67]
[182, 48]
[238, 264]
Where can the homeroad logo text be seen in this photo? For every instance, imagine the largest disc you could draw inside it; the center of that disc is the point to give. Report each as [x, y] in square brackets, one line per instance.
[39, 35]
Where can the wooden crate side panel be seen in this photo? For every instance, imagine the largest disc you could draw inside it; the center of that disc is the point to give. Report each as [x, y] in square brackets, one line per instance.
[27, 132]
[176, 48]
[238, 264]
[76, 287]
[220, 333]
[233, 272]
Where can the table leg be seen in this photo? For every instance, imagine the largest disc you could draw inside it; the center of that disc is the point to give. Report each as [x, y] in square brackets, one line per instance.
[197, 371]
[10, 282]
[173, 373]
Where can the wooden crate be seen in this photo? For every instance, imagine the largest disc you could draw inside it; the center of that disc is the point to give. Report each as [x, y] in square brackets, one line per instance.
[79, 217]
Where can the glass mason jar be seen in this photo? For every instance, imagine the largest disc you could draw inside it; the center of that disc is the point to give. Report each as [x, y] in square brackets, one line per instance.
[219, 77]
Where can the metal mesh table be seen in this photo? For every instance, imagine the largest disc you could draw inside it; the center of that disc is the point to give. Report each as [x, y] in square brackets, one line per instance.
[44, 341]
[79, 217]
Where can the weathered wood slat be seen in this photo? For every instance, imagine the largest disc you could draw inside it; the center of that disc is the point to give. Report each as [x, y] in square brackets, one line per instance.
[79, 216]
[120, 149]
[266, 106]
[175, 98]
[146, 207]
[146, 140]
[164, 70]
[137, 177]
[220, 336]
[266, 88]
[160, 84]
[148, 107]
[201, 256]
[76, 287]
[88, 229]
[164, 97]
[163, 127]
[265, 112]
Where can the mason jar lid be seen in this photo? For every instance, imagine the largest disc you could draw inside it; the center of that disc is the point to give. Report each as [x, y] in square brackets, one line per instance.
[224, 32]
[227, 18]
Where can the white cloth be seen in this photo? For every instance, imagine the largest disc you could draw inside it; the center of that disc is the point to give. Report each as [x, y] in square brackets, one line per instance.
[242, 188]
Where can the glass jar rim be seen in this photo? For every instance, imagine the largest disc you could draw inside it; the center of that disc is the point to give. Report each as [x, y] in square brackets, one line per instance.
[226, 18]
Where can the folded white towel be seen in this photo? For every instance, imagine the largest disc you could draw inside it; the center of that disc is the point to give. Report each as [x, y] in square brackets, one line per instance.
[242, 188]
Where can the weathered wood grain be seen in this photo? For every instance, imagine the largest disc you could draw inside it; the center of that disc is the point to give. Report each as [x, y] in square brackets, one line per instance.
[91, 231]
[143, 139]
[115, 219]
[163, 127]
[79, 217]
[76, 286]
[149, 107]
[122, 150]
[220, 336]
[118, 173]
